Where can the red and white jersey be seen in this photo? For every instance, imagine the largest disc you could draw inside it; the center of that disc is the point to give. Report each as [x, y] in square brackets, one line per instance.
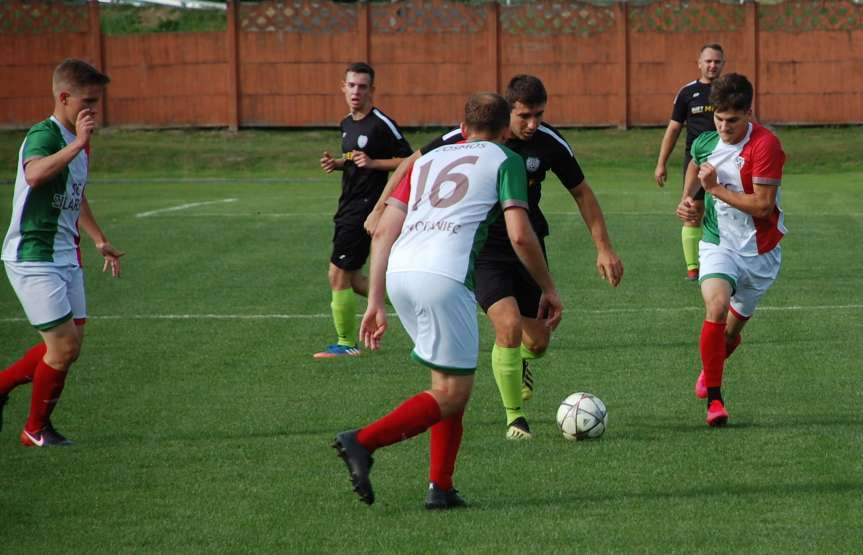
[756, 160]
[450, 196]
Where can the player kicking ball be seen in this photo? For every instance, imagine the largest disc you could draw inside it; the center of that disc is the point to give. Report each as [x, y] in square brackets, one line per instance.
[423, 250]
[740, 168]
[41, 252]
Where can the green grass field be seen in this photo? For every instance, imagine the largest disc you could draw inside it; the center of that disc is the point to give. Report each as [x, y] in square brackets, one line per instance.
[204, 424]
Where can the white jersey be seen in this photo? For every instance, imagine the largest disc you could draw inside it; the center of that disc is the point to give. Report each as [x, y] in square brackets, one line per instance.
[44, 226]
[451, 196]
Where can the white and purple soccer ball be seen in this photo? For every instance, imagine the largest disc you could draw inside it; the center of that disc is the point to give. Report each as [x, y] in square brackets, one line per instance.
[582, 416]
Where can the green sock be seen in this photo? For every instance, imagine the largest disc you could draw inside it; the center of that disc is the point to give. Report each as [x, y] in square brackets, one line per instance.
[690, 237]
[527, 354]
[344, 308]
[506, 366]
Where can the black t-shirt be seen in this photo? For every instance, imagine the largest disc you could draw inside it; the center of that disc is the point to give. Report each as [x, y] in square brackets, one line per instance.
[545, 150]
[692, 107]
[379, 137]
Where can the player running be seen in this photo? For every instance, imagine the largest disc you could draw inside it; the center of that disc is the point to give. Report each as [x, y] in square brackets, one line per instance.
[422, 253]
[740, 168]
[372, 145]
[40, 251]
[504, 288]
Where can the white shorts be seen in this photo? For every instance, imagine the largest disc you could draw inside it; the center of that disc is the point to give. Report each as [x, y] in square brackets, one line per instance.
[439, 314]
[49, 294]
[750, 276]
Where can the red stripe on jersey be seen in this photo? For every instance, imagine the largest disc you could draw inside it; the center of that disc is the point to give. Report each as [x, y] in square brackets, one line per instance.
[763, 157]
[402, 192]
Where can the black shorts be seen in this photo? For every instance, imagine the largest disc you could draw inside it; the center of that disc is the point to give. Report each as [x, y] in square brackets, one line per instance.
[699, 194]
[496, 280]
[351, 246]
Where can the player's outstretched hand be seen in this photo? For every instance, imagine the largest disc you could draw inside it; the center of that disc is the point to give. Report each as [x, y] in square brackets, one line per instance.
[85, 124]
[660, 174]
[686, 210]
[112, 258]
[550, 309]
[373, 327]
[327, 162]
[610, 267]
[707, 177]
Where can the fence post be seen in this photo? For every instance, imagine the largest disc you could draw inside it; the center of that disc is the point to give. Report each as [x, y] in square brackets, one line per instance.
[752, 27]
[233, 69]
[493, 43]
[363, 32]
[622, 16]
[97, 53]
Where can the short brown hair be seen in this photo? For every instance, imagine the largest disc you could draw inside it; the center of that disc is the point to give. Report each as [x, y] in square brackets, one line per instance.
[75, 74]
[526, 89]
[712, 46]
[731, 92]
[486, 112]
[361, 67]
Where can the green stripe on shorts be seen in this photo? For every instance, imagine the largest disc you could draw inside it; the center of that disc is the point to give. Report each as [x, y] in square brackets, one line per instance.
[48, 325]
[444, 369]
[726, 277]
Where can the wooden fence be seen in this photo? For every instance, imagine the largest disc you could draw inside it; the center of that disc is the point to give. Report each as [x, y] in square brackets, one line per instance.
[280, 63]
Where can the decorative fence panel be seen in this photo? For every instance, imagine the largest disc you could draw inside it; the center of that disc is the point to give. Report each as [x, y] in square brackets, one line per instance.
[280, 62]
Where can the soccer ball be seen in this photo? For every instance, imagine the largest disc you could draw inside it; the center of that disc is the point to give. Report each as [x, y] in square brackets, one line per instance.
[582, 416]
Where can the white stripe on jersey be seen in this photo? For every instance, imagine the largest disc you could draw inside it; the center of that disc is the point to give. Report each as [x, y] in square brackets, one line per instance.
[387, 121]
[548, 131]
[451, 134]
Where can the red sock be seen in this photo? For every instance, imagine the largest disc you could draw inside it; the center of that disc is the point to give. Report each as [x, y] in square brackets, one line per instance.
[47, 386]
[22, 370]
[412, 417]
[713, 352]
[732, 344]
[445, 442]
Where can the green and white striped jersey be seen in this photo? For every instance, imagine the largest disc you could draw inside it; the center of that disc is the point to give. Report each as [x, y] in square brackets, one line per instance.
[44, 226]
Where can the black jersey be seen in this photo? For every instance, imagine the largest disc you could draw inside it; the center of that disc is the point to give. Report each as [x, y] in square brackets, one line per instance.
[692, 107]
[379, 137]
[545, 150]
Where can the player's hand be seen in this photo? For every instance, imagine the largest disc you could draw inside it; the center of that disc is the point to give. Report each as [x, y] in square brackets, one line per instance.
[660, 174]
[610, 267]
[707, 176]
[327, 162]
[112, 258]
[85, 124]
[373, 327]
[550, 309]
[362, 160]
[687, 211]
[372, 221]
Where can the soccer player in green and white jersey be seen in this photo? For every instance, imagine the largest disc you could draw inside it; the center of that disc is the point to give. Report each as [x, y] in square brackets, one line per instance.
[740, 168]
[423, 253]
[40, 251]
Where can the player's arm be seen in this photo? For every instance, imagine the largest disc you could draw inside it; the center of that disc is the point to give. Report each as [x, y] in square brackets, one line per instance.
[374, 322]
[38, 170]
[87, 222]
[759, 204]
[527, 248]
[396, 177]
[669, 139]
[686, 209]
[608, 264]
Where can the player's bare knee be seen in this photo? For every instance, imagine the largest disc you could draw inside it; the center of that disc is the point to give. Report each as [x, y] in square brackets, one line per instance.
[507, 329]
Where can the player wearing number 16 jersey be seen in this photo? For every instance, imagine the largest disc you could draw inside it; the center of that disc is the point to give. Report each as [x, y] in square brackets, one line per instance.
[423, 253]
